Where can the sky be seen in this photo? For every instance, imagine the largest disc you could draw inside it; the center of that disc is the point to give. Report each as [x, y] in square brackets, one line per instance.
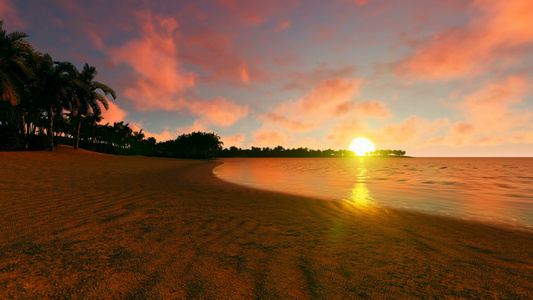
[431, 77]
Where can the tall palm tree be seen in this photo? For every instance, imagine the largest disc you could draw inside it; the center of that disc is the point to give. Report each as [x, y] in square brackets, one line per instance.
[86, 99]
[53, 79]
[13, 67]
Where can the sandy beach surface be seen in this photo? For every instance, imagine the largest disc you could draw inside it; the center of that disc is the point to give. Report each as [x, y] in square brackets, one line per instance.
[81, 225]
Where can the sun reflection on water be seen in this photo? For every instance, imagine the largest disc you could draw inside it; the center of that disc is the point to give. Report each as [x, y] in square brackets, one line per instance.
[359, 194]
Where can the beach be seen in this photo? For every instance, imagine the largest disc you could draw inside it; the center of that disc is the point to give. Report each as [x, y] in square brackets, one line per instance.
[83, 225]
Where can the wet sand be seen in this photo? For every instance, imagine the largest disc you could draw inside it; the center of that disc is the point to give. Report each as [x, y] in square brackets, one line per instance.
[83, 225]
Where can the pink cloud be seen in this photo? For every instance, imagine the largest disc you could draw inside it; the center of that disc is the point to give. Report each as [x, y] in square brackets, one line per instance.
[490, 108]
[499, 26]
[236, 140]
[369, 109]
[492, 116]
[217, 58]
[328, 96]
[270, 138]
[306, 80]
[10, 14]
[360, 2]
[219, 111]
[113, 114]
[323, 34]
[341, 135]
[333, 99]
[163, 136]
[283, 26]
[412, 130]
[257, 12]
[522, 136]
[153, 56]
[462, 128]
[273, 119]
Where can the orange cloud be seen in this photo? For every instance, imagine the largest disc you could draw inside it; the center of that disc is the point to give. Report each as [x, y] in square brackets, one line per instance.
[331, 99]
[257, 12]
[490, 107]
[305, 80]
[500, 25]
[270, 138]
[113, 114]
[342, 134]
[283, 26]
[163, 136]
[412, 130]
[273, 119]
[153, 56]
[244, 73]
[369, 109]
[491, 116]
[218, 111]
[330, 95]
[236, 140]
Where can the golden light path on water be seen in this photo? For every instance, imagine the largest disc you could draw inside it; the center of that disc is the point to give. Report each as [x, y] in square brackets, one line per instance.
[493, 190]
[359, 194]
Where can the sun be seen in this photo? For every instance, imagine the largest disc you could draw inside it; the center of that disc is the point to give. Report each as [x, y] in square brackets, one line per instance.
[361, 146]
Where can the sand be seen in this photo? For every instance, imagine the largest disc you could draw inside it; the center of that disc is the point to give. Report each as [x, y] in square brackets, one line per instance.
[83, 225]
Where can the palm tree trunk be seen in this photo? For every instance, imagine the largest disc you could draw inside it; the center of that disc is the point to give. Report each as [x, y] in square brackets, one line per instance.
[51, 128]
[77, 138]
[25, 136]
[93, 137]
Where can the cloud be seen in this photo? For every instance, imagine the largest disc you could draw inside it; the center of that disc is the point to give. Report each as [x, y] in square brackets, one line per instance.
[10, 14]
[283, 26]
[490, 108]
[466, 51]
[341, 135]
[160, 79]
[360, 2]
[165, 135]
[369, 109]
[219, 111]
[308, 79]
[257, 12]
[329, 97]
[113, 114]
[328, 102]
[216, 57]
[270, 138]
[277, 120]
[492, 115]
[411, 130]
[236, 140]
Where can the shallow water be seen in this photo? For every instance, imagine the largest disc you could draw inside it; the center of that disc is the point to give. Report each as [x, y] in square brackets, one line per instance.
[493, 190]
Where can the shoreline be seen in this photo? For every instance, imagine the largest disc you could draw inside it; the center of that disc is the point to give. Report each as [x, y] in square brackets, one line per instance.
[84, 225]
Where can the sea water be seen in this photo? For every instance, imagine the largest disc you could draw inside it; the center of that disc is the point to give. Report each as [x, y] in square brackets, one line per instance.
[492, 190]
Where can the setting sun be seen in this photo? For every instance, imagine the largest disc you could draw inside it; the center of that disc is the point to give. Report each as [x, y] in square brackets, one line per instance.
[361, 146]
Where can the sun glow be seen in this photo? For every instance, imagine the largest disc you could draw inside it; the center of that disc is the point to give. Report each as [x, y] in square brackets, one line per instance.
[361, 146]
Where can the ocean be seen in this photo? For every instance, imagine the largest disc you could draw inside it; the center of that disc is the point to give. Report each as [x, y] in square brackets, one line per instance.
[492, 190]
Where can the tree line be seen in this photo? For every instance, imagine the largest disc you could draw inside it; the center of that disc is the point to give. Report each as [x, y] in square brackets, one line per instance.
[386, 153]
[45, 102]
[279, 151]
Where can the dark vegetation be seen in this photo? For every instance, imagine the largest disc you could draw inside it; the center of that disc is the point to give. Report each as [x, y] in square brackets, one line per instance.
[45, 102]
[279, 151]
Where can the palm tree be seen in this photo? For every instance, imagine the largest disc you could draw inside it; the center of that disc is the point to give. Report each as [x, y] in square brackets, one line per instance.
[53, 79]
[86, 100]
[13, 67]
